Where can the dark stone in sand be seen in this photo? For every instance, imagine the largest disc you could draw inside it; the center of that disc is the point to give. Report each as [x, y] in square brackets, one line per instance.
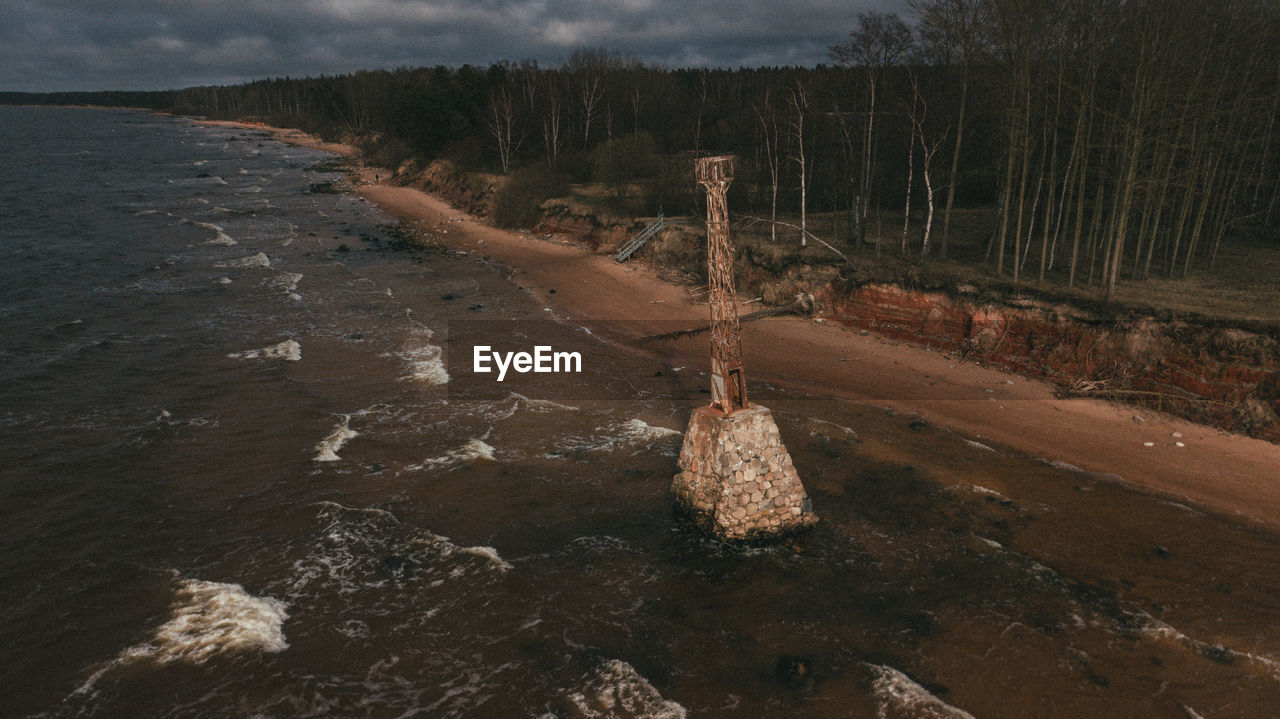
[922, 623]
[918, 424]
[343, 248]
[794, 672]
[1218, 654]
[476, 308]
[448, 296]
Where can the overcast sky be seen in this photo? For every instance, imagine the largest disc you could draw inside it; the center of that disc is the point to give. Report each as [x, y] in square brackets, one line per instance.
[49, 45]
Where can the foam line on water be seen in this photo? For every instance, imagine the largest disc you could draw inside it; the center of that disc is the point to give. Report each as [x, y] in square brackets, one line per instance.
[833, 425]
[1154, 629]
[220, 235]
[978, 445]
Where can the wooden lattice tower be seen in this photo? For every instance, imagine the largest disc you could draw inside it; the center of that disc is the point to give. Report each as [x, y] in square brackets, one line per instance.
[728, 384]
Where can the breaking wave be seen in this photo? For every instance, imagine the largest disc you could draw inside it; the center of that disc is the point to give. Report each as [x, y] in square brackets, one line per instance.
[475, 449]
[425, 360]
[288, 350]
[208, 619]
[616, 689]
[898, 696]
[364, 550]
[220, 235]
[514, 402]
[632, 433]
[327, 449]
[258, 260]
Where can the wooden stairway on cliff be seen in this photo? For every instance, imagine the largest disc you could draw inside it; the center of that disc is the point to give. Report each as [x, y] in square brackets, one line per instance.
[638, 240]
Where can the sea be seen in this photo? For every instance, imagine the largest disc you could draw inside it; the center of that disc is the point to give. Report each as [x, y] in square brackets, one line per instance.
[236, 480]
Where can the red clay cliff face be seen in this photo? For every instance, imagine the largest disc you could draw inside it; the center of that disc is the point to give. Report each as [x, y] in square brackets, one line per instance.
[1224, 376]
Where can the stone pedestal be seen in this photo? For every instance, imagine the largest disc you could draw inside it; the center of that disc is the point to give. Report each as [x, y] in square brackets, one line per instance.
[737, 480]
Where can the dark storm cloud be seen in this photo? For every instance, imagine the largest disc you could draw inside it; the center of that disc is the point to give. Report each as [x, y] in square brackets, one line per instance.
[159, 44]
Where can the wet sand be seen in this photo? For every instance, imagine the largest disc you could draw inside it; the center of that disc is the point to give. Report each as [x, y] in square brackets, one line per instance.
[1224, 473]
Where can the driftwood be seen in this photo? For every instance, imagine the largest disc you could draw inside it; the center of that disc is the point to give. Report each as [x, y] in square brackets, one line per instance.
[804, 305]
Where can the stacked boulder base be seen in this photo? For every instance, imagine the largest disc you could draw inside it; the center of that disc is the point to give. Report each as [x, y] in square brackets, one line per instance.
[737, 480]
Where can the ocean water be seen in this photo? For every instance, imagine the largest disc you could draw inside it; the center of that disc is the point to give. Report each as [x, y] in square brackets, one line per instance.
[235, 480]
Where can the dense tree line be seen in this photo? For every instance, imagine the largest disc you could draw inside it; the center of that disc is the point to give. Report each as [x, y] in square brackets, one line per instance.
[1113, 138]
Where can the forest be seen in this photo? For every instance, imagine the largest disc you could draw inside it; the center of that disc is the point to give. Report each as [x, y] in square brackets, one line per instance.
[1104, 141]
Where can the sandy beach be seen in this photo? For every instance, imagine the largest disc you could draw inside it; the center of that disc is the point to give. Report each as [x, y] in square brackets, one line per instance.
[1228, 474]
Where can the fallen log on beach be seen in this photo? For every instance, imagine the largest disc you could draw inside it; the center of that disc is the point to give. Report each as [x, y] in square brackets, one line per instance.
[803, 306]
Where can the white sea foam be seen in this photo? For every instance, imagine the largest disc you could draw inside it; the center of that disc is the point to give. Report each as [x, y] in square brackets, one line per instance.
[212, 618]
[616, 689]
[898, 696]
[507, 408]
[224, 280]
[541, 405]
[288, 350]
[327, 449]
[425, 360]
[978, 445]
[632, 433]
[426, 364]
[288, 281]
[637, 431]
[208, 619]
[340, 560]
[258, 260]
[474, 449]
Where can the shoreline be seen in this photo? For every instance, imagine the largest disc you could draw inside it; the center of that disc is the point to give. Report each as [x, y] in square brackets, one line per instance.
[1228, 474]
